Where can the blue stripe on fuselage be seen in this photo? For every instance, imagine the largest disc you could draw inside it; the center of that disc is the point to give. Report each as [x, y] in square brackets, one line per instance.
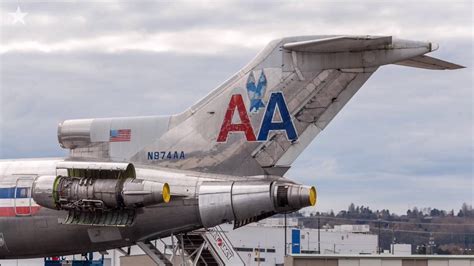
[9, 193]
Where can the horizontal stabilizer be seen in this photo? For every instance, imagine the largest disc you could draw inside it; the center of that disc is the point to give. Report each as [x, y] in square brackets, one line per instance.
[339, 44]
[428, 62]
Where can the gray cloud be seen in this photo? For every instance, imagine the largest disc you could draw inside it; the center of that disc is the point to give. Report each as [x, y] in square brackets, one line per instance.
[227, 25]
[403, 140]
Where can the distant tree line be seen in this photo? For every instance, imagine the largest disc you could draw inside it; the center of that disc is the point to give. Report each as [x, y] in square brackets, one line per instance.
[429, 230]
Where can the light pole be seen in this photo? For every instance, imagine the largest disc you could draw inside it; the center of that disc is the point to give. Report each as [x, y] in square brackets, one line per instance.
[378, 238]
[285, 236]
[319, 237]
[307, 234]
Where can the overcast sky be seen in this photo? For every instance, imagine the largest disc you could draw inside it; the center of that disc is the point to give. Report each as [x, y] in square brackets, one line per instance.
[406, 138]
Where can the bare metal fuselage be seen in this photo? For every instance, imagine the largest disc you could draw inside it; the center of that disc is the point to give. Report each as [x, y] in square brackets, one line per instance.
[39, 232]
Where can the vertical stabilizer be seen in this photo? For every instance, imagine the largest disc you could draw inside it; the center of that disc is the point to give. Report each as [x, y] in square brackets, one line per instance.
[260, 119]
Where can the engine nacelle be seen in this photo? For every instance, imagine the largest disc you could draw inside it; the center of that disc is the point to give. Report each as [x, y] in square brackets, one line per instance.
[247, 202]
[90, 194]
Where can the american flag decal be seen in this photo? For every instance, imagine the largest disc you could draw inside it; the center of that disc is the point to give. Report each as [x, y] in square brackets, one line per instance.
[120, 135]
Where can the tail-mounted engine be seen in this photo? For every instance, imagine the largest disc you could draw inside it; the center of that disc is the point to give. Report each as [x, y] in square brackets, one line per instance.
[98, 193]
[247, 202]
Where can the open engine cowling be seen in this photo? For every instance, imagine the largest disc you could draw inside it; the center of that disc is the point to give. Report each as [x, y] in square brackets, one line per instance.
[247, 202]
[98, 193]
[89, 194]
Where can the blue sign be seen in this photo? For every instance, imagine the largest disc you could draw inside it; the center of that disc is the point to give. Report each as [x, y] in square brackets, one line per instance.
[295, 241]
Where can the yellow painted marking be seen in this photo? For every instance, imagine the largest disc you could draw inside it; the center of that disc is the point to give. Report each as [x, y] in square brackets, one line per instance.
[312, 196]
[166, 193]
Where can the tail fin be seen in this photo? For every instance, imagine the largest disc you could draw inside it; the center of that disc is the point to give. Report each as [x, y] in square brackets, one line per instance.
[265, 115]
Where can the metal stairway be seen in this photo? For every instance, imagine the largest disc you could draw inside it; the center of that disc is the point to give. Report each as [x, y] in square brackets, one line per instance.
[221, 247]
[202, 247]
[195, 245]
[155, 254]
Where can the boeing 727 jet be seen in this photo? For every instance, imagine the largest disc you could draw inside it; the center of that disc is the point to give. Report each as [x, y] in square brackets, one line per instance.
[135, 179]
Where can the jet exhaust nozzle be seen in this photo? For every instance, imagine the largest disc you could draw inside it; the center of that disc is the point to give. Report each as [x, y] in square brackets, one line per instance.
[291, 197]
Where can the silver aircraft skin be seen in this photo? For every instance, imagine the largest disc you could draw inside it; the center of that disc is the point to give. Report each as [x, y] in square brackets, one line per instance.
[223, 159]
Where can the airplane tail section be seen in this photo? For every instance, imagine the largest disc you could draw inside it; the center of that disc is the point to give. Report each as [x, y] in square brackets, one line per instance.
[263, 117]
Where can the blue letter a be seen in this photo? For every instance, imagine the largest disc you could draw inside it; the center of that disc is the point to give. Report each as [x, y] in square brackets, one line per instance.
[277, 99]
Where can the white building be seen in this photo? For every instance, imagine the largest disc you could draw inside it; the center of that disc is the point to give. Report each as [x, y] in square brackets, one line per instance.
[400, 249]
[265, 241]
[353, 228]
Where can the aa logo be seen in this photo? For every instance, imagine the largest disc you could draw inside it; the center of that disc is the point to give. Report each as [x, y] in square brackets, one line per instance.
[276, 102]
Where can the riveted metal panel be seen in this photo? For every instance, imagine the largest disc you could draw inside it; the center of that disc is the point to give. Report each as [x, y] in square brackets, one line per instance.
[251, 199]
[215, 203]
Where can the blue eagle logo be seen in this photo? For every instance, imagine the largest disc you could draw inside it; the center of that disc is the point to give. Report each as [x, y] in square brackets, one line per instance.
[256, 91]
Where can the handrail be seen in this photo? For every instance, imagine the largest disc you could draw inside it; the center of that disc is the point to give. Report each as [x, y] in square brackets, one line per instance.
[226, 248]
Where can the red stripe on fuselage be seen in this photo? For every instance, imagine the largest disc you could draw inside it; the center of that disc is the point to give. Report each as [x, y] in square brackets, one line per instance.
[10, 211]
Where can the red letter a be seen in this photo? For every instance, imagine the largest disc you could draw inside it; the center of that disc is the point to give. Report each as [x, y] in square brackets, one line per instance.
[227, 126]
